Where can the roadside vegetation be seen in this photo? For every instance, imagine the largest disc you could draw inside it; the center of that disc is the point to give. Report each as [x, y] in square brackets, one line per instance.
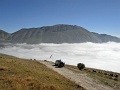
[22, 74]
[80, 66]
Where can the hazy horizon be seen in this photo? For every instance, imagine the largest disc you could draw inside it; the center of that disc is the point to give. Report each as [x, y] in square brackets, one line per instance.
[94, 55]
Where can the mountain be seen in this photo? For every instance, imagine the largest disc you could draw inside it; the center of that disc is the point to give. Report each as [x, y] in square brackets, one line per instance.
[106, 38]
[3, 37]
[59, 34]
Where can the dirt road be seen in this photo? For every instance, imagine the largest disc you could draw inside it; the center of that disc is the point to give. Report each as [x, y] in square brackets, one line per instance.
[81, 79]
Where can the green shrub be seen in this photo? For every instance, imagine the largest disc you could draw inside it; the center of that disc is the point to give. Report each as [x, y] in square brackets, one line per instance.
[80, 66]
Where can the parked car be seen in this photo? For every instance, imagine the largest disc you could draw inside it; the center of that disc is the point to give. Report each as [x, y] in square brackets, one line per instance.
[59, 63]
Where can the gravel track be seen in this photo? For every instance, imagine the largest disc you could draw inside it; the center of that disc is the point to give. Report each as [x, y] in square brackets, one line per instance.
[81, 79]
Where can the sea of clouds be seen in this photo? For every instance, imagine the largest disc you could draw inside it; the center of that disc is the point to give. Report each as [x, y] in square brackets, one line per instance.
[104, 56]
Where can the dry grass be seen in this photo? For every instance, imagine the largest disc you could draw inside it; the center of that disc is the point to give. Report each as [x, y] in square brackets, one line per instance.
[21, 74]
[2, 68]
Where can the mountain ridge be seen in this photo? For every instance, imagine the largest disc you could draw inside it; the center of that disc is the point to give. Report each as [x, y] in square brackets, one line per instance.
[60, 33]
[3, 35]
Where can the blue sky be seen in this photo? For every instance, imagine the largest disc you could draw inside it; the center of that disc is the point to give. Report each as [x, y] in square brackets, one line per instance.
[101, 16]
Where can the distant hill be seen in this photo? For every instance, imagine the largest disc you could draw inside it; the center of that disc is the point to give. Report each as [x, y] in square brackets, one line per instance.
[3, 35]
[59, 34]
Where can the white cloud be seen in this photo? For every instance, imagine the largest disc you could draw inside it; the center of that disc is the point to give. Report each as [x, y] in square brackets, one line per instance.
[102, 56]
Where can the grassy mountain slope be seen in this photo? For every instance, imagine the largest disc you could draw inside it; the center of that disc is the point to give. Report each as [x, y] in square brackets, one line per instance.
[21, 74]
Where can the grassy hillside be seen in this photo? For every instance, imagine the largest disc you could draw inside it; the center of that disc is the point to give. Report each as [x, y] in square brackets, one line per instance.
[21, 74]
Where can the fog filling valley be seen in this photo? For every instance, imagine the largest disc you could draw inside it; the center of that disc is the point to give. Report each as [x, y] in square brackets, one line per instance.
[104, 56]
